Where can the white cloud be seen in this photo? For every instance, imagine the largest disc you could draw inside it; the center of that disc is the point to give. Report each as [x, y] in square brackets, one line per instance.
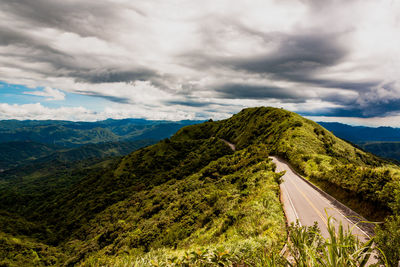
[49, 93]
[391, 121]
[145, 55]
[39, 112]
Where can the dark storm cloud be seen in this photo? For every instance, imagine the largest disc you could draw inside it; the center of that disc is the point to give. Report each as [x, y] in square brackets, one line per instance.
[365, 106]
[296, 58]
[189, 103]
[66, 65]
[251, 51]
[380, 108]
[248, 91]
[296, 54]
[341, 84]
[82, 18]
[373, 109]
[19, 40]
[36, 50]
[114, 75]
[9, 37]
[193, 101]
[121, 100]
[335, 112]
[365, 102]
[86, 18]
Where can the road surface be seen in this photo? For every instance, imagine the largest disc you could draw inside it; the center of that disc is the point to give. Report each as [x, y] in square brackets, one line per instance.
[303, 203]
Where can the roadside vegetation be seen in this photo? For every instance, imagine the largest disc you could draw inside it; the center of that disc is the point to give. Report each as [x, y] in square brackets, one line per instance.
[305, 247]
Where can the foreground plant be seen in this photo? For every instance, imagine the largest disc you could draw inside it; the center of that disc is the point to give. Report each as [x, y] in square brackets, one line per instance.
[307, 247]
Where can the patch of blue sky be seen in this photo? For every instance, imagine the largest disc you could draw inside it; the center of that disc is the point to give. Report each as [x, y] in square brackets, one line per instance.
[16, 94]
[13, 94]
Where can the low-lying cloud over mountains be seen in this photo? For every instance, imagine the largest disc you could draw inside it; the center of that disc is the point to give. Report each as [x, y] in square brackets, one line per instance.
[191, 59]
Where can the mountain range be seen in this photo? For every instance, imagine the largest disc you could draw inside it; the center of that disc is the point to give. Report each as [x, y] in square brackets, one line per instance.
[23, 142]
[72, 134]
[381, 141]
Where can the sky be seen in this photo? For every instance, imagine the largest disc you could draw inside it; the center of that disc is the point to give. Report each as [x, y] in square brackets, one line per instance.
[328, 60]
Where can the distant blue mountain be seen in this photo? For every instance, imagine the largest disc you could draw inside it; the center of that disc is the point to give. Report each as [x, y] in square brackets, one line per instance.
[381, 141]
[358, 134]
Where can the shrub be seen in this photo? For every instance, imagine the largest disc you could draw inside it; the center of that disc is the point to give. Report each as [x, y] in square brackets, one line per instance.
[341, 248]
[388, 240]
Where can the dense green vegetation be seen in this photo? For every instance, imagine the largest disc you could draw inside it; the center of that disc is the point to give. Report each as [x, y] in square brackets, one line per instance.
[389, 150]
[100, 151]
[23, 190]
[15, 153]
[23, 251]
[308, 248]
[190, 197]
[305, 247]
[231, 203]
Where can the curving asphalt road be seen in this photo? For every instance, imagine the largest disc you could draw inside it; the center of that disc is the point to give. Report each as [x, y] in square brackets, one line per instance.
[303, 203]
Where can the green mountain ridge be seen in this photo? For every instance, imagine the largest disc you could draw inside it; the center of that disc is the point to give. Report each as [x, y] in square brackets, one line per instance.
[73, 134]
[17, 152]
[192, 192]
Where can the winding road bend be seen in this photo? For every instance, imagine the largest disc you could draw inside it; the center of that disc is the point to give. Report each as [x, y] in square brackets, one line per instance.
[304, 203]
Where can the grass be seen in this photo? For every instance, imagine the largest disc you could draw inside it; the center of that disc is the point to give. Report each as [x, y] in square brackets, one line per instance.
[306, 247]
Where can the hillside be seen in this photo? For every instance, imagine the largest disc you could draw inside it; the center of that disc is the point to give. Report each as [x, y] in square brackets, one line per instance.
[15, 153]
[192, 192]
[389, 150]
[21, 155]
[101, 150]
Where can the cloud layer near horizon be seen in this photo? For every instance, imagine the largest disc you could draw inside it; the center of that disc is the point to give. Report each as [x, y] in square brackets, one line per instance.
[186, 60]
